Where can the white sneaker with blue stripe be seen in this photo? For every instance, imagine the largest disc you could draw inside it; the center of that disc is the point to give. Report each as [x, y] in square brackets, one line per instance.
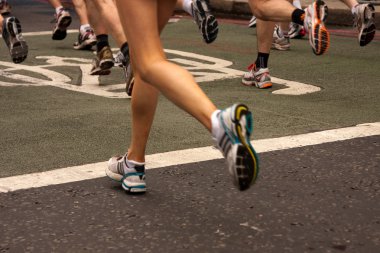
[232, 136]
[130, 174]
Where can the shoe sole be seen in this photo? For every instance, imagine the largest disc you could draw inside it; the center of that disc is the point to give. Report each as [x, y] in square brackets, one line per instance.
[209, 25]
[18, 48]
[106, 64]
[86, 45]
[60, 31]
[129, 80]
[319, 36]
[103, 69]
[367, 34]
[134, 189]
[119, 178]
[100, 72]
[246, 175]
[280, 48]
[265, 85]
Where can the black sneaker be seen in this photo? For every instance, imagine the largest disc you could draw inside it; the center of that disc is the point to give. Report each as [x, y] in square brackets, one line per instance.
[12, 36]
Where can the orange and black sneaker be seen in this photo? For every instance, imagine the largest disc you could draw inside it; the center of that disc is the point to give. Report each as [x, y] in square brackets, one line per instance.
[319, 37]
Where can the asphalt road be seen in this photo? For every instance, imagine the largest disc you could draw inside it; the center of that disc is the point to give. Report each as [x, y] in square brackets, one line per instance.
[322, 198]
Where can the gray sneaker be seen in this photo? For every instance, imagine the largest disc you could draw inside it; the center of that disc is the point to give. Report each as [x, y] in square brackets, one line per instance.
[86, 40]
[124, 63]
[62, 21]
[279, 42]
[12, 36]
[364, 20]
[206, 21]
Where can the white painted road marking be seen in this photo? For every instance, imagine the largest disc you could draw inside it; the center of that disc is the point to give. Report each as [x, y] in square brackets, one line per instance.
[203, 68]
[96, 170]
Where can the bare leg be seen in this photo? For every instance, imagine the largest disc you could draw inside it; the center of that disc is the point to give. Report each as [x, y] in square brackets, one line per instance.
[55, 3]
[93, 16]
[81, 10]
[110, 16]
[258, 74]
[1, 23]
[151, 67]
[350, 3]
[272, 10]
[264, 35]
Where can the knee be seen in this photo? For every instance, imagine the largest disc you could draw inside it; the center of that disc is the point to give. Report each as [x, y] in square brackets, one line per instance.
[258, 8]
[143, 68]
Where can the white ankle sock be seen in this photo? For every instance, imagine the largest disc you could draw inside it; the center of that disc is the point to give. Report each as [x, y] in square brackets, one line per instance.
[187, 6]
[131, 164]
[57, 10]
[353, 9]
[215, 124]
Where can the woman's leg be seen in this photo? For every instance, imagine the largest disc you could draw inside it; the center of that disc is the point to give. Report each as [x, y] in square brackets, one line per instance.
[230, 128]
[151, 67]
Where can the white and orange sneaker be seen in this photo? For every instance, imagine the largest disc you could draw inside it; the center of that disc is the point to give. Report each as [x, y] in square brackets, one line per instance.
[258, 77]
[315, 16]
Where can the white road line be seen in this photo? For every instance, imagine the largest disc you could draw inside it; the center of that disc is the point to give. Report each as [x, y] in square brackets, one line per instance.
[96, 170]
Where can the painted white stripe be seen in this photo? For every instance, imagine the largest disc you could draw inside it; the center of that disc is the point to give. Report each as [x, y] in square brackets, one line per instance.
[46, 33]
[96, 170]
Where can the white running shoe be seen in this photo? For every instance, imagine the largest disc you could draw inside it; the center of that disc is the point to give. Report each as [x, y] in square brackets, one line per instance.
[86, 40]
[257, 77]
[62, 21]
[18, 48]
[232, 137]
[124, 63]
[279, 41]
[131, 178]
[252, 22]
[364, 20]
[319, 37]
[206, 21]
[296, 31]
